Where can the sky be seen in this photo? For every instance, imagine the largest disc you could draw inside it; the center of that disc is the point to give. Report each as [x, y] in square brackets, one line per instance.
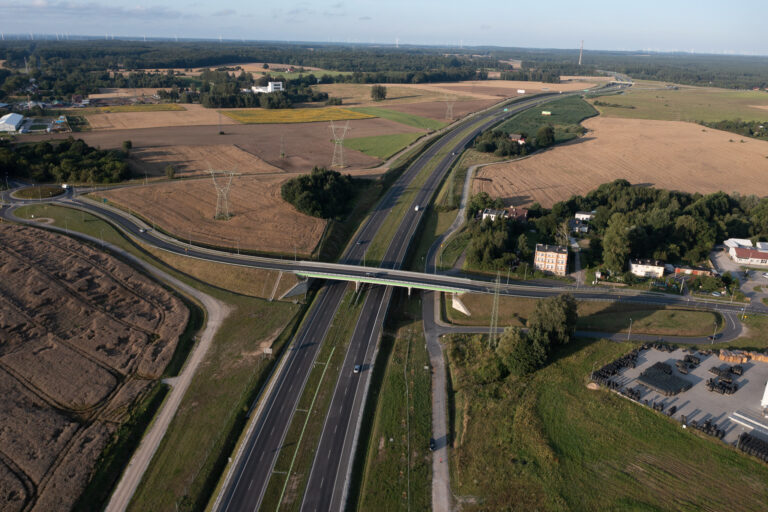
[702, 26]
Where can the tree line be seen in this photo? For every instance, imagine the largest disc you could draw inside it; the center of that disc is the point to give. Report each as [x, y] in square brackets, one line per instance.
[68, 160]
[754, 129]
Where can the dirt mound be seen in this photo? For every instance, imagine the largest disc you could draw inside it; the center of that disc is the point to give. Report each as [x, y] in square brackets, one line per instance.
[84, 336]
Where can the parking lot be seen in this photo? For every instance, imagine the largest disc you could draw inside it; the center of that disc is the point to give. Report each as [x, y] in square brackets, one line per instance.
[729, 412]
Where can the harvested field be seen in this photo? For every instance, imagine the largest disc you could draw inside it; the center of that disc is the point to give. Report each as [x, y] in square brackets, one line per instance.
[84, 336]
[306, 145]
[293, 115]
[262, 221]
[192, 115]
[662, 154]
[360, 94]
[194, 160]
[496, 89]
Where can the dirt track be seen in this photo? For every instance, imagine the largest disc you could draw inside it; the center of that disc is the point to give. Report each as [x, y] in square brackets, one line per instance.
[664, 154]
[84, 336]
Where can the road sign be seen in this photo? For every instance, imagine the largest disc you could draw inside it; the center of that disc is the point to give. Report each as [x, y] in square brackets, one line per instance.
[506, 110]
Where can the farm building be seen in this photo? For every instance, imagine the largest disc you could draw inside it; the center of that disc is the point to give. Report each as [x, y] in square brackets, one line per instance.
[11, 122]
[551, 259]
[647, 268]
[743, 252]
[584, 216]
[578, 226]
[490, 213]
[516, 137]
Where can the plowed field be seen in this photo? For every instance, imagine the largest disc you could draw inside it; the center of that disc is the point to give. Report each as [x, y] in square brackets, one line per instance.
[83, 338]
[663, 154]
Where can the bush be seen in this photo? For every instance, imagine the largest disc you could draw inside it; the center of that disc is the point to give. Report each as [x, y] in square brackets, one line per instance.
[378, 93]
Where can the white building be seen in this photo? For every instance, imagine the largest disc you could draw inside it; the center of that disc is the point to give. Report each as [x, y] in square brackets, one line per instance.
[647, 268]
[11, 122]
[270, 87]
[490, 213]
[584, 216]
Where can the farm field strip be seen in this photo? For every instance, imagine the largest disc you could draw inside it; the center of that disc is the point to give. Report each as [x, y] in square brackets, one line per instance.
[381, 146]
[424, 123]
[282, 116]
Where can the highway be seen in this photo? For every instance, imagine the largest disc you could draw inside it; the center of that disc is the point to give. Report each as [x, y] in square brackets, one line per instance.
[327, 486]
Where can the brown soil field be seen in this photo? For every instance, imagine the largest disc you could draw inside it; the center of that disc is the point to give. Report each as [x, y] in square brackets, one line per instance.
[436, 109]
[84, 336]
[496, 89]
[195, 160]
[262, 221]
[306, 145]
[663, 154]
[117, 92]
[762, 107]
[194, 115]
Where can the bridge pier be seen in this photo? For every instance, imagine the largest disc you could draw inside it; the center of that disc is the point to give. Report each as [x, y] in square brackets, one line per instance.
[357, 286]
[409, 291]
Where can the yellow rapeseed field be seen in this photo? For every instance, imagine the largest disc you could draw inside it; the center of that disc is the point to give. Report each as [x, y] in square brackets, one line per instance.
[304, 115]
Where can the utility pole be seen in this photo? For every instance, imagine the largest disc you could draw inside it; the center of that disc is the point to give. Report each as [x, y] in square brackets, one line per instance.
[713, 333]
[629, 334]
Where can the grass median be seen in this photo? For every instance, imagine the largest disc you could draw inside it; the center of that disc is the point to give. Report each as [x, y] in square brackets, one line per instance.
[398, 471]
[285, 489]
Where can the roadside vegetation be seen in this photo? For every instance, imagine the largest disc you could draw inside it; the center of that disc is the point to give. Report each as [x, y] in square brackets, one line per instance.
[381, 146]
[40, 192]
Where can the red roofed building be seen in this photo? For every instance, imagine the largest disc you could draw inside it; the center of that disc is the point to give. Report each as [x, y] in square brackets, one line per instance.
[747, 256]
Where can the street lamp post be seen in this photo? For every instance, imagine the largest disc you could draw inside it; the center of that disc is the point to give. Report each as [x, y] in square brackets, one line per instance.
[629, 334]
[713, 333]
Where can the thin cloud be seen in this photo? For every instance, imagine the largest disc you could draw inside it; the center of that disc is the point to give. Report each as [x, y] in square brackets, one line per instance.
[364, 18]
[225, 12]
[80, 9]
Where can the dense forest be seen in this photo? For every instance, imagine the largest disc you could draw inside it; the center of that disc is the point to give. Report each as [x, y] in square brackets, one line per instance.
[68, 160]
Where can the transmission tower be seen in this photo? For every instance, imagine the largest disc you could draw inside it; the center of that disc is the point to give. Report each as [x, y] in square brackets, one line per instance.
[222, 194]
[581, 51]
[449, 109]
[339, 132]
[493, 335]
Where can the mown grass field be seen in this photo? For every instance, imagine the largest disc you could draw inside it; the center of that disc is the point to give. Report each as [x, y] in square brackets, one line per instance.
[567, 113]
[39, 192]
[398, 470]
[212, 413]
[381, 146]
[402, 117]
[294, 115]
[686, 104]
[561, 446]
[593, 316]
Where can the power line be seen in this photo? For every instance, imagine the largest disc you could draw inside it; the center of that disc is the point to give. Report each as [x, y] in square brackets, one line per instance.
[339, 132]
[493, 334]
[222, 194]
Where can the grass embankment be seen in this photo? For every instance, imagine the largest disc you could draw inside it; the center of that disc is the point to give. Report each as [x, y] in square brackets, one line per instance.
[379, 245]
[686, 104]
[212, 412]
[294, 115]
[561, 446]
[286, 486]
[424, 123]
[381, 146]
[398, 474]
[39, 192]
[567, 113]
[593, 316]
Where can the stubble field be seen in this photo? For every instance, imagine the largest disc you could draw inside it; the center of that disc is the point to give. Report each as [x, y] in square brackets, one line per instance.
[262, 221]
[190, 115]
[663, 154]
[85, 338]
[195, 160]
